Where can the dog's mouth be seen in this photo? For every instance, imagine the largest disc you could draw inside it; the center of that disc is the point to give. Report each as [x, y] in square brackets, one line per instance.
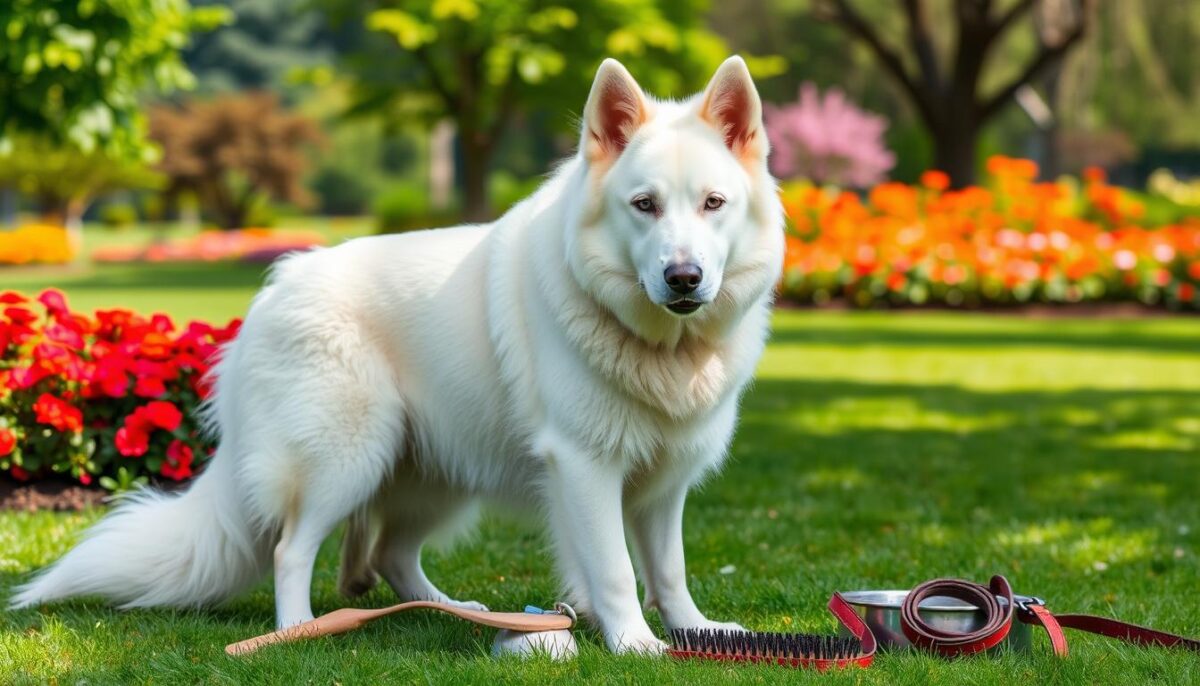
[684, 306]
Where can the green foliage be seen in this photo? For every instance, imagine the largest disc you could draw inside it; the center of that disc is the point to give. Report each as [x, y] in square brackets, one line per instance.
[481, 62]
[118, 215]
[546, 55]
[123, 482]
[264, 45]
[402, 207]
[507, 190]
[72, 70]
[341, 192]
[64, 179]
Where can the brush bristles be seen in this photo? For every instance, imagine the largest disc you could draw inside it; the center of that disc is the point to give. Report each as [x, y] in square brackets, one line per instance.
[752, 645]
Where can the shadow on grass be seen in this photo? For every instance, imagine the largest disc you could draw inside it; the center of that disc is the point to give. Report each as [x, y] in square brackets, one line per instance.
[198, 276]
[184, 276]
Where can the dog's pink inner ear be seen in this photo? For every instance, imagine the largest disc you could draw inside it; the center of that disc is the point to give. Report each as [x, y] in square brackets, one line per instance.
[732, 106]
[615, 110]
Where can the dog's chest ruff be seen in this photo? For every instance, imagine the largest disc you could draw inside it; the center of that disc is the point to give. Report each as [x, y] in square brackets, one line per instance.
[681, 381]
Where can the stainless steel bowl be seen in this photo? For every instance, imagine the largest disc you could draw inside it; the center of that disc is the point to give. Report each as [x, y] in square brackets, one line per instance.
[881, 611]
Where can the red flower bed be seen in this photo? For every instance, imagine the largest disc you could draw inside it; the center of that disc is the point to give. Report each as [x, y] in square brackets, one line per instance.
[110, 397]
[1011, 240]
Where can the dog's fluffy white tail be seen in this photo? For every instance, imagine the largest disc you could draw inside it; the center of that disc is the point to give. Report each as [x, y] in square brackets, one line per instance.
[157, 549]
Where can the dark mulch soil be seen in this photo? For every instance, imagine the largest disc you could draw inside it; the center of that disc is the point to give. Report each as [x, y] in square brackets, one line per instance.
[48, 495]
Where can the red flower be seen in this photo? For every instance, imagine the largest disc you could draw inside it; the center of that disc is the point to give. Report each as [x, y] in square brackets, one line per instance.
[55, 302]
[19, 474]
[149, 387]
[132, 441]
[178, 465]
[85, 478]
[8, 441]
[27, 377]
[12, 298]
[110, 376]
[65, 335]
[161, 414]
[20, 315]
[58, 413]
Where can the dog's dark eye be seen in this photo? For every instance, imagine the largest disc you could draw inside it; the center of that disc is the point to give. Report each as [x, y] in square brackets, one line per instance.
[644, 203]
[714, 202]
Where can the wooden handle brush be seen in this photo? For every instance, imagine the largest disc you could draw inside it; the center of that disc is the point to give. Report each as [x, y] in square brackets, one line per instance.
[349, 619]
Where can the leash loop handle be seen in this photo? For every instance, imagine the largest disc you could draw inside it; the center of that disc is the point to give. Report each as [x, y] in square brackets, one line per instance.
[998, 616]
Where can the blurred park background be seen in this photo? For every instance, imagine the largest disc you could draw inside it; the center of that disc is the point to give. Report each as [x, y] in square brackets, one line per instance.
[960, 153]
[986, 358]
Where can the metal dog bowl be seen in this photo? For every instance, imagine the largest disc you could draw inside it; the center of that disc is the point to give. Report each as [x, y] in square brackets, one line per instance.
[881, 611]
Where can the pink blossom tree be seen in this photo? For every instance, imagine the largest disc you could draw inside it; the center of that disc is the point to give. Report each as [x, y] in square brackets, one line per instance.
[828, 140]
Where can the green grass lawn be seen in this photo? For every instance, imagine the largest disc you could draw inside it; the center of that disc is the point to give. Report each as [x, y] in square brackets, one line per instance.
[875, 451]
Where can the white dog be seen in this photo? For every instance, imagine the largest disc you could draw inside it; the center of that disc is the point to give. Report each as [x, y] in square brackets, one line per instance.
[583, 355]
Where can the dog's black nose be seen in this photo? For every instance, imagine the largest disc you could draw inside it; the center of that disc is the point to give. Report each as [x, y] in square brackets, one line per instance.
[683, 278]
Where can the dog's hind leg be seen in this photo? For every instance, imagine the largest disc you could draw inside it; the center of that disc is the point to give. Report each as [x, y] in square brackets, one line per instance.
[412, 513]
[323, 504]
[356, 576]
[345, 446]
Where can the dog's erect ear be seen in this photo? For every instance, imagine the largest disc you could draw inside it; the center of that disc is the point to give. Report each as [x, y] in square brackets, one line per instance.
[615, 109]
[732, 106]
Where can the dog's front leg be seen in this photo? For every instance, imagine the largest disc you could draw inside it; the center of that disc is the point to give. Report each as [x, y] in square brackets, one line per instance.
[584, 499]
[657, 527]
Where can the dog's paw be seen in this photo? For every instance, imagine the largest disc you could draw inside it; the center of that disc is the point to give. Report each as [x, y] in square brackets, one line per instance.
[640, 641]
[466, 604]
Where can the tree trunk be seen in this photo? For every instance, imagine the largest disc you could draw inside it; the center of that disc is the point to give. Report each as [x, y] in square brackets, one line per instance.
[477, 156]
[8, 207]
[52, 210]
[441, 165]
[954, 150]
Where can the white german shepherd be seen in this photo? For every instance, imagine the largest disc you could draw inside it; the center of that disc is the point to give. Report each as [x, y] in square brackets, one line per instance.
[583, 355]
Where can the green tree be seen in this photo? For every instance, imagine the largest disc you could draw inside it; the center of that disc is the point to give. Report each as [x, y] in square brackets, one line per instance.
[64, 181]
[481, 62]
[943, 75]
[72, 71]
[264, 43]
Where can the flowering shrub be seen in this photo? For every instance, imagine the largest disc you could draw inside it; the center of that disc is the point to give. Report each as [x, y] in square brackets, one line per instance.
[111, 396]
[827, 140]
[35, 243]
[1012, 240]
[253, 245]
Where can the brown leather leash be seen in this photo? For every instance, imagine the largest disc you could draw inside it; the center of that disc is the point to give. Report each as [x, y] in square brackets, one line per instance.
[1000, 616]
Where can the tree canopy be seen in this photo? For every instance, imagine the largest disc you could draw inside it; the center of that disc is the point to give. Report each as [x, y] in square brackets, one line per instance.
[72, 71]
[234, 150]
[480, 62]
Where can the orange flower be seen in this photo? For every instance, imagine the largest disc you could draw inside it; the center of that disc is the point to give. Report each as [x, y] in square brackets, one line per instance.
[935, 180]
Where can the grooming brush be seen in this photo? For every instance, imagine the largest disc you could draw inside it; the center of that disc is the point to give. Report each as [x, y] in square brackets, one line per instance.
[790, 650]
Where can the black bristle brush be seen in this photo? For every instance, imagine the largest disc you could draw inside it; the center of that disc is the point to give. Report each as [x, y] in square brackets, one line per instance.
[790, 650]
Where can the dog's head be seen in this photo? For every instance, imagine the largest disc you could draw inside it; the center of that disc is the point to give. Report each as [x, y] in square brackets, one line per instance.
[681, 222]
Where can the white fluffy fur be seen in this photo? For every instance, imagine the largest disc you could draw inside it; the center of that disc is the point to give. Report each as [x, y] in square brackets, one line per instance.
[397, 381]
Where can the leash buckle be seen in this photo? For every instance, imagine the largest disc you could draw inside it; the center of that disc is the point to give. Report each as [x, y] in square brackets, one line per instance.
[1024, 601]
